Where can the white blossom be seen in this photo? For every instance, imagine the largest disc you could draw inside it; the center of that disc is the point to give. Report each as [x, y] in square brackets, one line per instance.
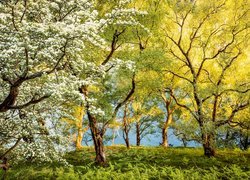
[47, 41]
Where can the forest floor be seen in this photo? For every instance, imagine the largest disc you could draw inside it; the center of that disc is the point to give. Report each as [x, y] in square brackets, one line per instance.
[140, 163]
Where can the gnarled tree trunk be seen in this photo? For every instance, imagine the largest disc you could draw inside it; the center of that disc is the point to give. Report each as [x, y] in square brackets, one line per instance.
[169, 117]
[97, 134]
[208, 144]
[97, 137]
[99, 149]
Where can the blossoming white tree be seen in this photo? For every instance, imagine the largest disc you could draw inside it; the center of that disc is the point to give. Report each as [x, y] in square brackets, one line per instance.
[42, 65]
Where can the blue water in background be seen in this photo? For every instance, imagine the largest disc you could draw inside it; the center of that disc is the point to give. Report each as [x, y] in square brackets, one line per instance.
[148, 140]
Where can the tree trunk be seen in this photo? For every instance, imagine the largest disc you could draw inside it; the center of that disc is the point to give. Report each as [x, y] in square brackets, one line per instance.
[208, 145]
[79, 139]
[127, 140]
[5, 167]
[10, 99]
[165, 127]
[79, 113]
[97, 136]
[184, 140]
[125, 136]
[168, 120]
[164, 137]
[227, 138]
[245, 142]
[138, 137]
[99, 147]
[126, 127]
[80, 133]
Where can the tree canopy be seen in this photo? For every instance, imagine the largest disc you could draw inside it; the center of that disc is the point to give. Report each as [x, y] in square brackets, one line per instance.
[68, 66]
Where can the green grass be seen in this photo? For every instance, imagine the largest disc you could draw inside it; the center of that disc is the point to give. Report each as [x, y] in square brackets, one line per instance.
[142, 163]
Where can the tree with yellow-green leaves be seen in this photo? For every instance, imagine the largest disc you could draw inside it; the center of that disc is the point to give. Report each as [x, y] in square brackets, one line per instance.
[210, 58]
[122, 64]
[77, 124]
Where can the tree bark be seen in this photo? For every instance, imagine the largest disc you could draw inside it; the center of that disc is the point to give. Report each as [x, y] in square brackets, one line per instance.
[10, 99]
[245, 142]
[164, 137]
[126, 137]
[80, 133]
[138, 136]
[99, 147]
[97, 137]
[79, 139]
[165, 128]
[169, 117]
[126, 127]
[208, 145]
[127, 141]
[184, 142]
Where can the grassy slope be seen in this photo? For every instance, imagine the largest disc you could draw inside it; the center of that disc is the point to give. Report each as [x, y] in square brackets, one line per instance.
[143, 163]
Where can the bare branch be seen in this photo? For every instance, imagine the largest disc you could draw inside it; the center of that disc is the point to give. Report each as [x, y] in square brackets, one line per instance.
[209, 77]
[206, 98]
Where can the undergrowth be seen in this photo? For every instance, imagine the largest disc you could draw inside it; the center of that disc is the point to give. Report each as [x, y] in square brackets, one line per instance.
[142, 163]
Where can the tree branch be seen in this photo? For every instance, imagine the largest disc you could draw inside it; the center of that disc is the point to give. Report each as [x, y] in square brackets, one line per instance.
[179, 76]
[10, 149]
[113, 45]
[131, 92]
[32, 101]
[233, 113]
[182, 105]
